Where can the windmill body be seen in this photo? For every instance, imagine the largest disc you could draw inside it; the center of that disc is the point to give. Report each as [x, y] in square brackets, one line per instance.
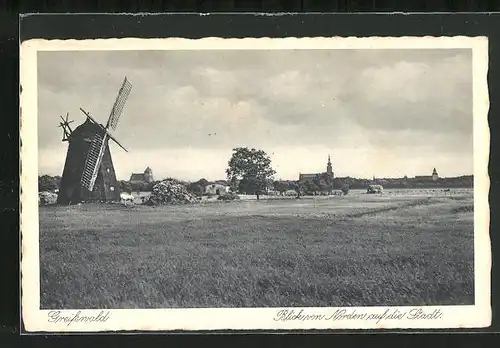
[106, 187]
[89, 174]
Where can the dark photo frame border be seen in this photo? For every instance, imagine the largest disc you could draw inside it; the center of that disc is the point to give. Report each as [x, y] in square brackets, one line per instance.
[64, 26]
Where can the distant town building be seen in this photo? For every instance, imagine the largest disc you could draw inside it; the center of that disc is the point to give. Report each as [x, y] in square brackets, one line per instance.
[221, 182]
[216, 189]
[433, 177]
[312, 176]
[141, 178]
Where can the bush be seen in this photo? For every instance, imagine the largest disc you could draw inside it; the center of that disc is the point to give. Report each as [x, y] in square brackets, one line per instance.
[170, 192]
[345, 190]
[47, 198]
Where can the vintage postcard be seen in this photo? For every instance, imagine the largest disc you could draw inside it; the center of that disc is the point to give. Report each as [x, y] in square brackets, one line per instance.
[255, 184]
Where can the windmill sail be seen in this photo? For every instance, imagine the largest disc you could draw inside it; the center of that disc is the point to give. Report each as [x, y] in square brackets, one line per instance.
[119, 104]
[99, 141]
[93, 161]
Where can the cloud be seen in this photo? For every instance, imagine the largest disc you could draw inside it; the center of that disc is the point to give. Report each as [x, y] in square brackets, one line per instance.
[416, 103]
[435, 97]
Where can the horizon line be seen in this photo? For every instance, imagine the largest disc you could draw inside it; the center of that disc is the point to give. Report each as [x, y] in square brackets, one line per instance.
[281, 179]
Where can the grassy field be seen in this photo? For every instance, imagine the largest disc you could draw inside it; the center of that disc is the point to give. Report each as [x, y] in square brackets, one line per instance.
[358, 250]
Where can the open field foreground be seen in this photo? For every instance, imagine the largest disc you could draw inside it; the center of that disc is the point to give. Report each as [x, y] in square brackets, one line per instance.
[355, 250]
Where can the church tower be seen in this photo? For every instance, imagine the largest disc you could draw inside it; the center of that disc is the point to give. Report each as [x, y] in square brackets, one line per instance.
[148, 175]
[329, 169]
[434, 175]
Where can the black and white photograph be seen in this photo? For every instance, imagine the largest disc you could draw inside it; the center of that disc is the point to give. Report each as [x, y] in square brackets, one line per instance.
[318, 183]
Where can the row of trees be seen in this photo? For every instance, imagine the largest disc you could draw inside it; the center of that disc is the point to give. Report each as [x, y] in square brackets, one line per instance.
[249, 171]
[53, 183]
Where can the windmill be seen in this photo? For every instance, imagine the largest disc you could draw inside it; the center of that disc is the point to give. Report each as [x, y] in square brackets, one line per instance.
[89, 174]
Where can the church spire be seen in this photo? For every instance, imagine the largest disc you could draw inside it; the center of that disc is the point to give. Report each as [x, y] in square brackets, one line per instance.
[329, 169]
[435, 175]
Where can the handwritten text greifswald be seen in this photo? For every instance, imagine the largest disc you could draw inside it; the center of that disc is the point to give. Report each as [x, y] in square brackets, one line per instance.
[77, 317]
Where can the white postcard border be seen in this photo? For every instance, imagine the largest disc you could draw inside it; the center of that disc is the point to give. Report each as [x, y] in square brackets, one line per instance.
[37, 320]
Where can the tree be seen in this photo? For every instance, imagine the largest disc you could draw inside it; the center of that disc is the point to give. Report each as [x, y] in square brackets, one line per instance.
[146, 186]
[298, 187]
[48, 183]
[196, 188]
[125, 186]
[252, 168]
[280, 186]
[309, 187]
[234, 184]
[202, 182]
[324, 182]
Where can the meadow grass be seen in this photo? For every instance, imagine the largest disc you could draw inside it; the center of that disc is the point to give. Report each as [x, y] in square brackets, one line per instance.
[341, 251]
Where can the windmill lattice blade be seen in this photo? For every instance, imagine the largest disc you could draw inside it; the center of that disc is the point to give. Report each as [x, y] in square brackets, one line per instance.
[119, 104]
[93, 161]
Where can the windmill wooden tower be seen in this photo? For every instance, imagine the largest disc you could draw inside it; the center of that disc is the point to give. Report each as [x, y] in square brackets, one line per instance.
[89, 174]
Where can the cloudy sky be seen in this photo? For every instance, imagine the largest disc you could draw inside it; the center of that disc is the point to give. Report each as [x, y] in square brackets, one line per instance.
[387, 113]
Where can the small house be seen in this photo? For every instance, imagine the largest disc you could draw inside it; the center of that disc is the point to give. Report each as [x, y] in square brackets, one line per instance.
[216, 189]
